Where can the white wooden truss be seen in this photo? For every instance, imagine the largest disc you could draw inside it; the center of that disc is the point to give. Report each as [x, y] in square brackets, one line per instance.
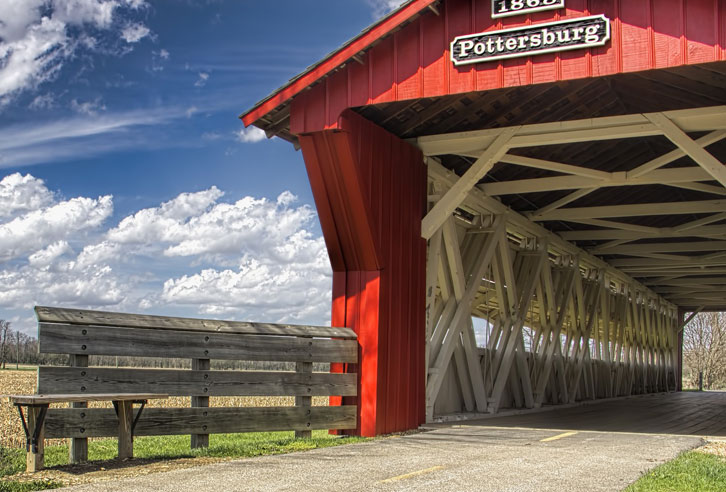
[560, 324]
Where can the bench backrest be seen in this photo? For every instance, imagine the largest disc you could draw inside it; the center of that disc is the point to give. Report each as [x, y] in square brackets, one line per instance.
[83, 333]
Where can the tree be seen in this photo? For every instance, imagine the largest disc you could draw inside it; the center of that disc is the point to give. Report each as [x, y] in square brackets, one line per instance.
[704, 349]
[4, 333]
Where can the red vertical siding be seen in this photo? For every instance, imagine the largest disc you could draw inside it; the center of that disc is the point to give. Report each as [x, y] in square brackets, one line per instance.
[414, 62]
[383, 304]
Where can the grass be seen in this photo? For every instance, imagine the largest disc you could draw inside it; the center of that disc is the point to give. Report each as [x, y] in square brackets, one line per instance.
[12, 461]
[692, 471]
[21, 367]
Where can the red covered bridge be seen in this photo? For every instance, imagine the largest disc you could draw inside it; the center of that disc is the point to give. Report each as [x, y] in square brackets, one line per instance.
[520, 199]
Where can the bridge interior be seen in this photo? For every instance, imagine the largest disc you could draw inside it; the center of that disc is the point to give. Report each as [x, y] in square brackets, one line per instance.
[580, 220]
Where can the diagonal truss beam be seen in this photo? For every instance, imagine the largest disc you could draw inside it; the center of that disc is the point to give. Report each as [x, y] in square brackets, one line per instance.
[456, 194]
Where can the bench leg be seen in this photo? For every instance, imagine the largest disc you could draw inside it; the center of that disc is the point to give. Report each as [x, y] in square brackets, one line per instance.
[36, 454]
[125, 424]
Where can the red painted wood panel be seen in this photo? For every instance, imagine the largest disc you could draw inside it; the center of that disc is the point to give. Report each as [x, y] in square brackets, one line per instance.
[385, 305]
[701, 31]
[646, 34]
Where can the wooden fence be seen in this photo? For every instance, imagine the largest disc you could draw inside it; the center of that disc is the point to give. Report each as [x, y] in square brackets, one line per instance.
[86, 333]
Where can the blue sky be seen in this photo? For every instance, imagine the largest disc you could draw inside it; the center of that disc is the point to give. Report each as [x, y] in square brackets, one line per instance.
[127, 181]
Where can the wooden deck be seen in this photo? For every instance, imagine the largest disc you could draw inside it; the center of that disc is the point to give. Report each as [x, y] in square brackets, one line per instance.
[689, 413]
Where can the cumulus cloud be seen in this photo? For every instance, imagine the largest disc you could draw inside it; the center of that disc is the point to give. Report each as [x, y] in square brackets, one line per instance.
[36, 229]
[20, 194]
[251, 134]
[249, 259]
[38, 36]
[134, 33]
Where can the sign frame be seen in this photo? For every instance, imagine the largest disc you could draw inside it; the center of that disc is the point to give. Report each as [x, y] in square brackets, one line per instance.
[556, 49]
[560, 4]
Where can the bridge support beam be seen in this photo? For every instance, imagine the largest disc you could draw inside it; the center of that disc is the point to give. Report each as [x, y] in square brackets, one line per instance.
[370, 188]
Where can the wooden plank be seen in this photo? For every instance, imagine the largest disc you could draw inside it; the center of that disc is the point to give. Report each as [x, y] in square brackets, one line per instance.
[198, 440]
[139, 342]
[67, 398]
[102, 422]
[78, 381]
[77, 448]
[305, 369]
[102, 318]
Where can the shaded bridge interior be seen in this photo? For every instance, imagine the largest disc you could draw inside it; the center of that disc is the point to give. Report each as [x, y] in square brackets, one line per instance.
[675, 252]
[646, 205]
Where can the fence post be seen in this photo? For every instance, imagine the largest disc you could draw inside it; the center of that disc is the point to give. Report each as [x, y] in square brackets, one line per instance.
[200, 440]
[304, 401]
[78, 446]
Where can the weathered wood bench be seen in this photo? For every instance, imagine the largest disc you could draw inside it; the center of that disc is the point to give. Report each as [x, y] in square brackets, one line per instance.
[83, 334]
[37, 409]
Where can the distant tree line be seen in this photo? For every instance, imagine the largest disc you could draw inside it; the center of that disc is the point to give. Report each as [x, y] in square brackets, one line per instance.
[18, 348]
[704, 351]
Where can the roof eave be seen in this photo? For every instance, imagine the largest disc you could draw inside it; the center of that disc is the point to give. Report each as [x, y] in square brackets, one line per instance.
[336, 59]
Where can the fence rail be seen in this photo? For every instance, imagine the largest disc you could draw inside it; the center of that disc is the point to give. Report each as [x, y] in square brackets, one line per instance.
[82, 333]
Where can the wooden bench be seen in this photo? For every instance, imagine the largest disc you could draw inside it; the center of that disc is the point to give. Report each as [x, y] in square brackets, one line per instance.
[37, 409]
[84, 334]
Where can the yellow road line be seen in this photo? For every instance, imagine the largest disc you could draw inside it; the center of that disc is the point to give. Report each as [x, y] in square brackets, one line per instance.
[412, 474]
[559, 436]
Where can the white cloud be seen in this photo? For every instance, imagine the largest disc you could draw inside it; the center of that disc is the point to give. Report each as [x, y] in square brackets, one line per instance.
[79, 136]
[38, 36]
[191, 111]
[89, 108]
[36, 229]
[164, 54]
[44, 101]
[202, 80]
[134, 33]
[192, 255]
[20, 194]
[251, 134]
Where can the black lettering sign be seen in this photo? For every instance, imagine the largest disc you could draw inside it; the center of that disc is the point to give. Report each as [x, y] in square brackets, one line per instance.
[571, 34]
[507, 8]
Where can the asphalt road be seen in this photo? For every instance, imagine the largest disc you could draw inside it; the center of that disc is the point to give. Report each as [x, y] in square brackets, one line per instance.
[454, 458]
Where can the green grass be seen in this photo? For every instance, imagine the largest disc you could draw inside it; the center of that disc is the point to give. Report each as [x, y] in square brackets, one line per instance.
[21, 367]
[692, 472]
[12, 461]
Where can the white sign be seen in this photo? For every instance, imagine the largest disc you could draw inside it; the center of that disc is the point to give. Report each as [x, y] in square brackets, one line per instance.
[507, 8]
[536, 39]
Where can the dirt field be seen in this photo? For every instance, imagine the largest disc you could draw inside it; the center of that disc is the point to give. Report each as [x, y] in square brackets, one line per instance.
[23, 383]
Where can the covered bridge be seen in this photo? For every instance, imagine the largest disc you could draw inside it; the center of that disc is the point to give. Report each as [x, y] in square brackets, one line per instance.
[520, 199]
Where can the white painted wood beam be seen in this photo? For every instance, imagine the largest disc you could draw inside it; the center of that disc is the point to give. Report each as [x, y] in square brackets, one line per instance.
[702, 187]
[480, 204]
[689, 281]
[554, 166]
[635, 210]
[456, 194]
[635, 249]
[538, 185]
[717, 231]
[701, 222]
[674, 155]
[593, 129]
[700, 155]
[617, 225]
[576, 195]
[662, 263]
